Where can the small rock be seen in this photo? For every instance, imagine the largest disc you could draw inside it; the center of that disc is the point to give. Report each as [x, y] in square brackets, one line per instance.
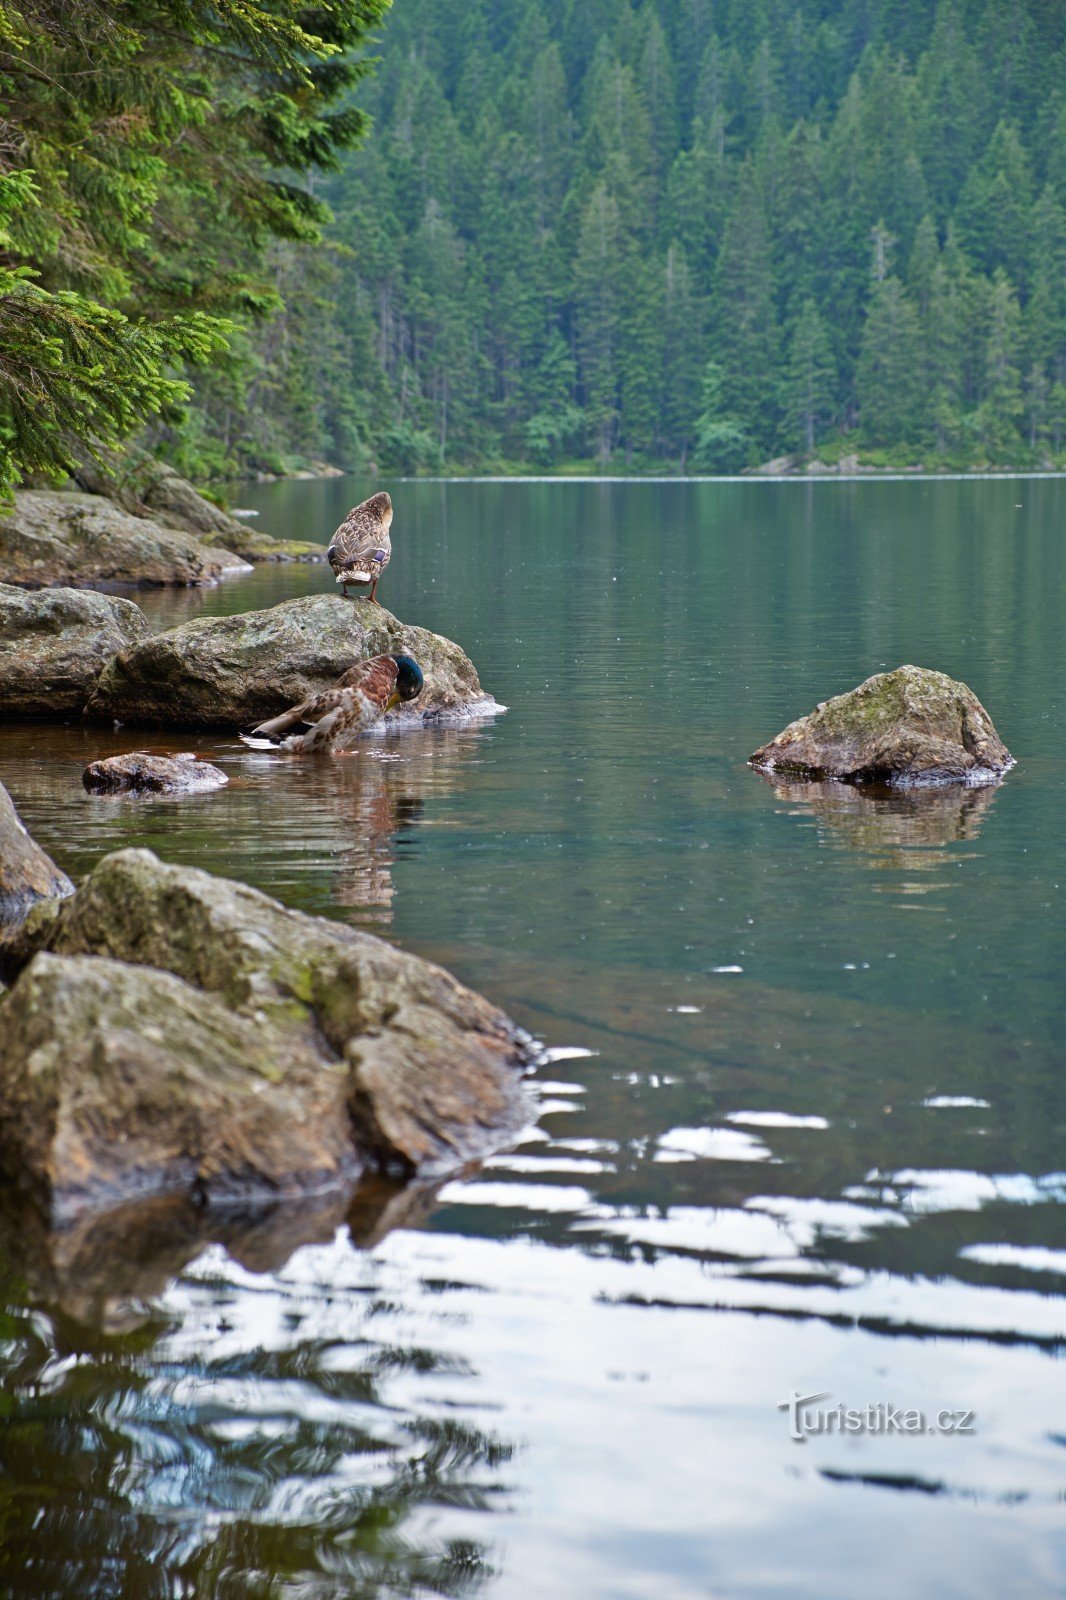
[54, 643]
[907, 726]
[139, 772]
[26, 873]
[234, 672]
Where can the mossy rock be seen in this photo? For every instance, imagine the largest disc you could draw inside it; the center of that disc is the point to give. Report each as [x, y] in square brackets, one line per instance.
[170, 1031]
[907, 726]
[233, 672]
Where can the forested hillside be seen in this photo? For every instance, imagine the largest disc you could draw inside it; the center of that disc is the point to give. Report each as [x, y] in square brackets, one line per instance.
[657, 234]
[698, 232]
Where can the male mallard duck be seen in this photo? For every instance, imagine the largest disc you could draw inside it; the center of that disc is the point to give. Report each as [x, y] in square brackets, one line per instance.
[360, 549]
[330, 720]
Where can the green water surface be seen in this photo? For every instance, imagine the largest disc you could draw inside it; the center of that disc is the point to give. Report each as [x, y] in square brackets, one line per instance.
[802, 1130]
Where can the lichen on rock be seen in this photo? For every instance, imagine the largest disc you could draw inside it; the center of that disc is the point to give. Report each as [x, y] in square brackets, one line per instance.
[54, 643]
[170, 1030]
[233, 672]
[912, 725]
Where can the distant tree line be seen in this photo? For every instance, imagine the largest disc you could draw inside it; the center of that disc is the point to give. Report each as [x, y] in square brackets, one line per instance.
[702, 232]
[693, 233]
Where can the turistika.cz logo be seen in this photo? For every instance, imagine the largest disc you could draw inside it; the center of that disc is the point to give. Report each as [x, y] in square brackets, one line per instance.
[806, 1417]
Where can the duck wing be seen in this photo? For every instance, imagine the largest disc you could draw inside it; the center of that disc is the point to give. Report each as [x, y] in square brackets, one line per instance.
[357, 699]
[361, 543]
[375, 678]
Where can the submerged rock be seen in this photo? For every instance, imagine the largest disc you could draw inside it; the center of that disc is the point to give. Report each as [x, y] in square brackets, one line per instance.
[907, 726]
[54, 643]
[233, 672]
[52, 538]
[176, 1031]
[141, 773]
[27, 874]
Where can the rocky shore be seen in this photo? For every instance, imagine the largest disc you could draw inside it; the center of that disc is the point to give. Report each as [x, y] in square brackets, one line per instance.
[166, 534]
[170, 1032]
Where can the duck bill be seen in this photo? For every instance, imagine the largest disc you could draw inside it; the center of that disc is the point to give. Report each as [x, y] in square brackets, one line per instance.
[393, 700]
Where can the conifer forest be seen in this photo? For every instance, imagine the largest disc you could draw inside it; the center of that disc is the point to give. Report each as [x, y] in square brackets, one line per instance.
[534, 235]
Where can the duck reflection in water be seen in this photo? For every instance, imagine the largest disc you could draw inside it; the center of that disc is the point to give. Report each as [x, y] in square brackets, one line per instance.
[379, 797]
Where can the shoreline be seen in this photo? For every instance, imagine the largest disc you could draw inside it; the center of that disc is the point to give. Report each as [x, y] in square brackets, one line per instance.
[863, 475]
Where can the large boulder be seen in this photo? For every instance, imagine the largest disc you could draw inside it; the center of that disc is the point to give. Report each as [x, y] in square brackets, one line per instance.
[26, 873]
[233, 672]
[175, 1031]
[54, 643]
[174, 500]
[907, 726]
[52, 538]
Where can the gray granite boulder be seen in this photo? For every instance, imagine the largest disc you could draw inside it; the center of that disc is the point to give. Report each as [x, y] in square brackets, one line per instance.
[907, 726]
[233, 672]
[54, 643]
[53, 538]
[173, 1031]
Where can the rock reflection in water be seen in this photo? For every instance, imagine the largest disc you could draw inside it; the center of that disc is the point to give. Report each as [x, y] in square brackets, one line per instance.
[897, 830]
[184, 1415]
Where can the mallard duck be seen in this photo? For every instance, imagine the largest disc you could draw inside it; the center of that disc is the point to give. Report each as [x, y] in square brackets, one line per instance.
[330, 720]
[360, 549]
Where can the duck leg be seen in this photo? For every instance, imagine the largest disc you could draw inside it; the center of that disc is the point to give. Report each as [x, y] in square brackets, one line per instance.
[373, 592]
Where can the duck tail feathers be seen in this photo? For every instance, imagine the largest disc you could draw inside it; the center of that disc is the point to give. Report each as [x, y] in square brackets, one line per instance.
[258, 744]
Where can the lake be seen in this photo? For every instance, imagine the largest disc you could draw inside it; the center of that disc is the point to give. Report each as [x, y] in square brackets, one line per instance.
[801, 1129]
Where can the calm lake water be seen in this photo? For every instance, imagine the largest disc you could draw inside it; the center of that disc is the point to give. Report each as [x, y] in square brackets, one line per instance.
[803, 1131]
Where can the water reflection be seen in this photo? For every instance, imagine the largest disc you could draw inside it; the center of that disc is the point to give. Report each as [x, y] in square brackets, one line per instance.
[898, 831]
[330, 829]
[221, 1412]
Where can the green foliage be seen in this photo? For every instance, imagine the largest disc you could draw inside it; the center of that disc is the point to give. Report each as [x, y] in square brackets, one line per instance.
[688, 233]
[152, 152]
[721, 443]
[816, 202]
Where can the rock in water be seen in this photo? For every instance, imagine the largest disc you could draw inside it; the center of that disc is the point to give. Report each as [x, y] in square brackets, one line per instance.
[907, 726]
[54, 643]
[177, 1031]
[53, 538]
[141, 773]
[26, 873]
[234, 672]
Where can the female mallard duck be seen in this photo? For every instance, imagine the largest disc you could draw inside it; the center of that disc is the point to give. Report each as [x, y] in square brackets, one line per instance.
[330, 720]
[360, 549]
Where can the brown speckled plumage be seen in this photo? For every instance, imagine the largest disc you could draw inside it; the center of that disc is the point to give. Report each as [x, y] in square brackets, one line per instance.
[330, 720]
[360, 549]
